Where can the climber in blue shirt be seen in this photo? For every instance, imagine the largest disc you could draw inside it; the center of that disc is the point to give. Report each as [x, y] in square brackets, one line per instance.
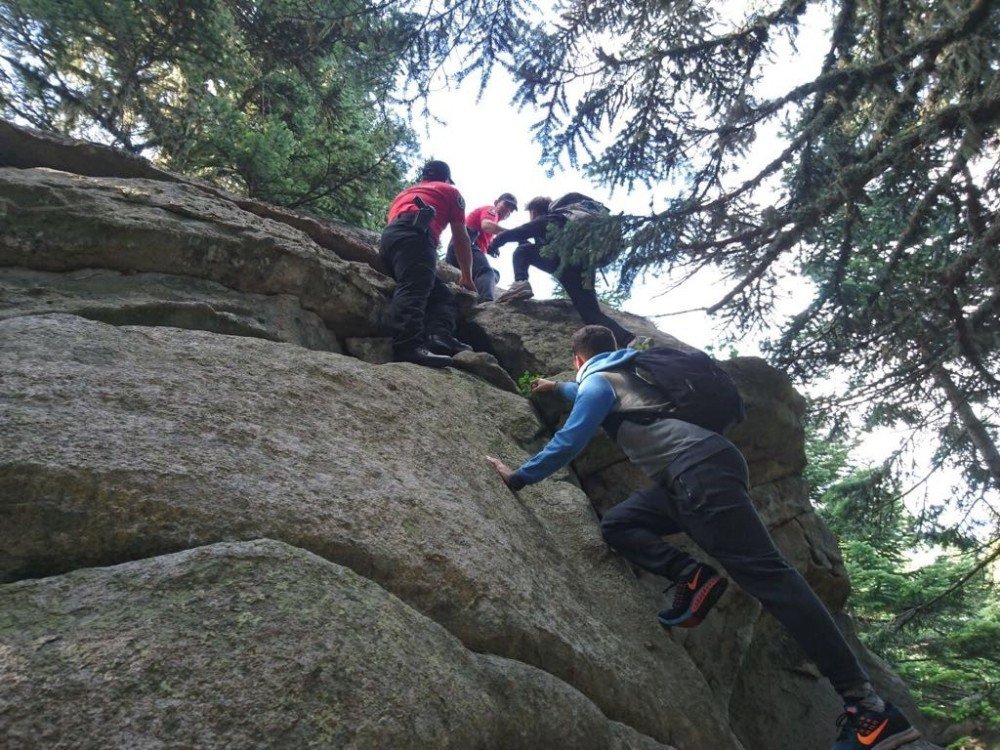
[700, 487]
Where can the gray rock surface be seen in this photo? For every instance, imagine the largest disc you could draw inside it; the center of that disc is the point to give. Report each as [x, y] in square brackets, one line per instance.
[485, 366]
[26, 148]
[129, 442]
[156, 434]
[533, 336]
[259, 644]
[376, 351]
[162, 300]
[53, 221]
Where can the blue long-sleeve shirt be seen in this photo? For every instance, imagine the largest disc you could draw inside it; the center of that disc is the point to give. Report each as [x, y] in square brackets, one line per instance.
[593, 400]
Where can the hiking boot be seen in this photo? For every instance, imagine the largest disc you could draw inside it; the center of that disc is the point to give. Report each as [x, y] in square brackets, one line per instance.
[694, 596]
[862, 729]
[518, 290]
[445, 343]
[420, 356]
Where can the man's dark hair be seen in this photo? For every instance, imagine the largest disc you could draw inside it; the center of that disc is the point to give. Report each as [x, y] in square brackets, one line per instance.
[436, 171]
[593, 340]
[539, 205]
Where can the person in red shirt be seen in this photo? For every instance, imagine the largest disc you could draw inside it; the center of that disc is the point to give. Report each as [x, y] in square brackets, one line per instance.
[483, 223]
[423, 310]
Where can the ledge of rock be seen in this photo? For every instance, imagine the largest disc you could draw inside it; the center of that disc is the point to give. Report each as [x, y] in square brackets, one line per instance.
[26, 148]
[162, 300]
[54, 221]
[129, 442]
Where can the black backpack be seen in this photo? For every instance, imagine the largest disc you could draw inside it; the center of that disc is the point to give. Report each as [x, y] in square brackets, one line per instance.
[699, 390]
[573, 206]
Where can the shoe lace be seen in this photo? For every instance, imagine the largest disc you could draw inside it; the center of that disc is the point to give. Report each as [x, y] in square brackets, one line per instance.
[869, 723]
[847, 723]
[681, 594]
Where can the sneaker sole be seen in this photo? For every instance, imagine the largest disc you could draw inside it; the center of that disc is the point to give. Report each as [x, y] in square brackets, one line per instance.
[899, 739]
[514, 297]
[701, 605]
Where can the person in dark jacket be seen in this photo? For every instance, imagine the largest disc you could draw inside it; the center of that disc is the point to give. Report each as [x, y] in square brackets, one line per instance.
[423, 310]
[576, 280]
[700, 487]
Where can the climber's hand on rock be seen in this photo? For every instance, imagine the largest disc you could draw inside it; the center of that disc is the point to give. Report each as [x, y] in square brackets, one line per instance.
[500, 468]
[541, 385]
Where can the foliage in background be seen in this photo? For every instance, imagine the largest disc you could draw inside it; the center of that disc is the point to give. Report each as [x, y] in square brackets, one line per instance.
[282, 100]
[937, 622]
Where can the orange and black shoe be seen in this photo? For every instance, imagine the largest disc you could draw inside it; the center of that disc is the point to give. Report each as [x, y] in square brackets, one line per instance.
[694, 596]
[862, 729]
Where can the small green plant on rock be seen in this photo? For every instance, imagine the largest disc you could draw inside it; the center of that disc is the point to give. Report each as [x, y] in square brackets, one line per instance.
[524, 382]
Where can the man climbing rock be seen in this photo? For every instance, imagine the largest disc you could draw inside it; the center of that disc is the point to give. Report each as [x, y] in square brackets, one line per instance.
[482, 224]
[423, 309]
[701, 488]
[575, 279]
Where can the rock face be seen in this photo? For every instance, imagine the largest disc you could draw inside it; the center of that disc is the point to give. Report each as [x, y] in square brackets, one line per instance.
[53, 221]
[313, 655]
[198, 438]
[150, 299]
[305, 548]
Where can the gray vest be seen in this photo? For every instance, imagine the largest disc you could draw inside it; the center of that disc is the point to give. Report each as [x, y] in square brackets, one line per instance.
[664, 447]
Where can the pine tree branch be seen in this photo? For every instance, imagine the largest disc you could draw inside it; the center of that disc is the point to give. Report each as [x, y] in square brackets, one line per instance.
[904, 618]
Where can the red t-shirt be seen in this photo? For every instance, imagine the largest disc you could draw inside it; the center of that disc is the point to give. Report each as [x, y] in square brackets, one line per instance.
[444, 197]
[475, 221]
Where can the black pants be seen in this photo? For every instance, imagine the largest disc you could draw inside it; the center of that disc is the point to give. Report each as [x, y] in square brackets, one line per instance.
[482, 272]
[422, 305]
[711, 504]
[579, 285]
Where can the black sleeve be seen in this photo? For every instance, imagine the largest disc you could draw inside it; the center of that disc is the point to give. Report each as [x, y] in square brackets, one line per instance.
[533, 230]
[516, 482]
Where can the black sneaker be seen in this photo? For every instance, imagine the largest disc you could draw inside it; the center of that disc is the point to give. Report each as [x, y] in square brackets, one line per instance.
[861, 729]
[420, 356]
[694, 596]
[443, 343]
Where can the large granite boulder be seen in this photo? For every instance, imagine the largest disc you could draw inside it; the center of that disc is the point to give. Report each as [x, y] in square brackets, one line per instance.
[151, 299]
[131, 442]
[258, 644]
[26, 148]
[533, 336]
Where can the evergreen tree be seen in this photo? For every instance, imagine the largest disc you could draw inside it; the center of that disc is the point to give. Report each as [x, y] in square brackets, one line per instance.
[937, 623]
[282, 100]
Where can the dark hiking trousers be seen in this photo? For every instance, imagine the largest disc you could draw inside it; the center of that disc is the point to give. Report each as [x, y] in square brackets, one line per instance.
[482, 272]
[579, 285]
[422, 305]
[710, 503]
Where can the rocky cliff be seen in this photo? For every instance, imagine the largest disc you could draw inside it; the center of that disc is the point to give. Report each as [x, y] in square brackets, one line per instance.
[226, 521]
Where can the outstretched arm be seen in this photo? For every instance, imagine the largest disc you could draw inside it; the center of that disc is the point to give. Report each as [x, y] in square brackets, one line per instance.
[595, 399]
[533, 230]
[491, 227]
